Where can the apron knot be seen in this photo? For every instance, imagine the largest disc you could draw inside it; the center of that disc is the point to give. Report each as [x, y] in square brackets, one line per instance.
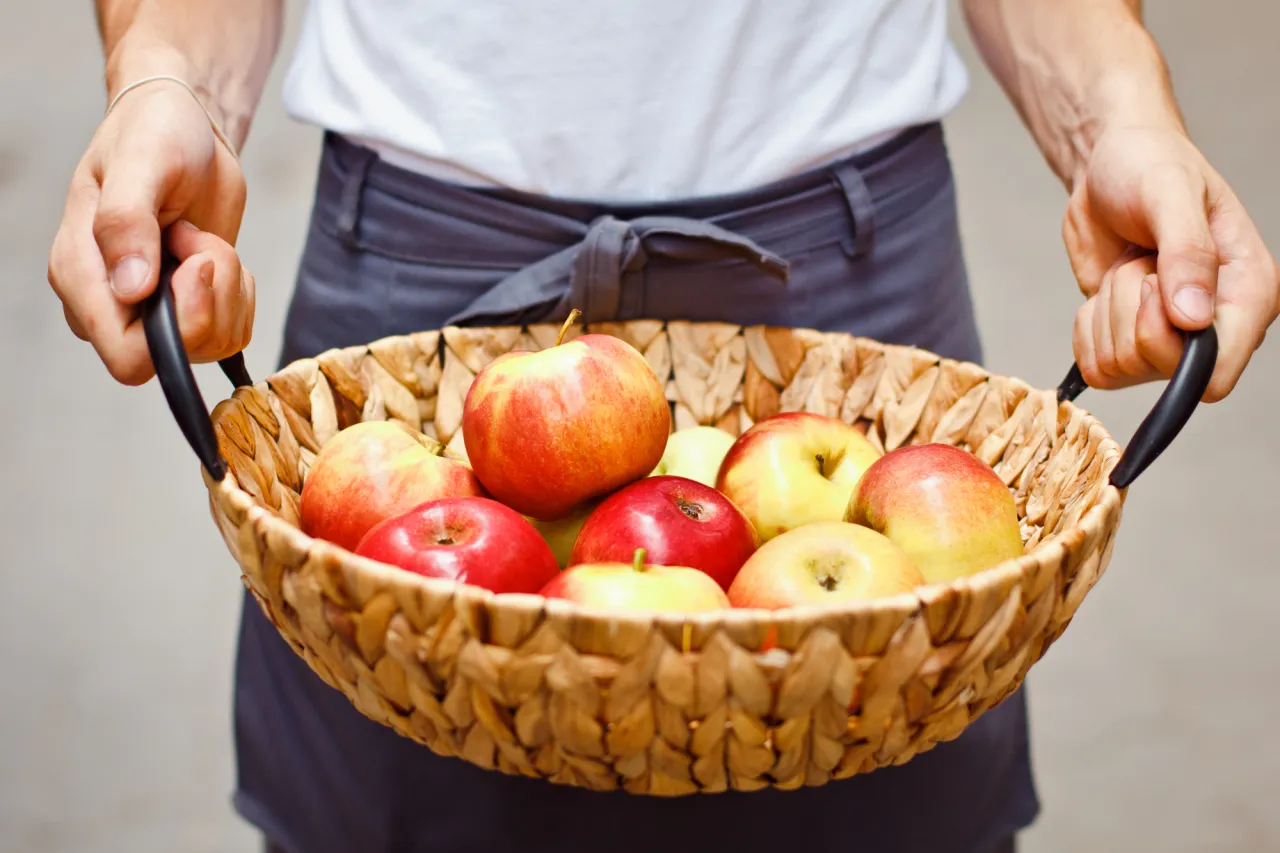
[589, 274]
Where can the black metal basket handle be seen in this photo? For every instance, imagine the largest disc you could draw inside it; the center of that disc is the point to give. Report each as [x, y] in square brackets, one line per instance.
[160, 320]
[173, 369]
[1178, 400]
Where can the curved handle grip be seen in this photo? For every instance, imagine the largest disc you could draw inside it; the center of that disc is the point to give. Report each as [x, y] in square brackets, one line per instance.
[173, 369]
[1170, 413]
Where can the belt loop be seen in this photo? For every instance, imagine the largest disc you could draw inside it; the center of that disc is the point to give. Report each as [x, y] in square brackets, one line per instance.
[862, 209]
[357, 170]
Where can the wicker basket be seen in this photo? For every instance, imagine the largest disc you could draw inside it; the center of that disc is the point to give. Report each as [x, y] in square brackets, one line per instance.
[668, 704]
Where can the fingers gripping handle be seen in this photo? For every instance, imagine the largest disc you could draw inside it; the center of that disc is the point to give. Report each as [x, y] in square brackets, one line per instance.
[173, 369]
[1170, 413]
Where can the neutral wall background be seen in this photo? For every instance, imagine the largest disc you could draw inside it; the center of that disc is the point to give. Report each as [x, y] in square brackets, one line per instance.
[1152, 717]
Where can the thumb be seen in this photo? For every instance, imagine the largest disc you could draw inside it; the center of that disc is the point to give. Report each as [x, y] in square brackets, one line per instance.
[1186, 255]
[126, 225]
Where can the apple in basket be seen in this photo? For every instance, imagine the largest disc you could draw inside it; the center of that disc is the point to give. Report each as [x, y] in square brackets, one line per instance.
[695, 452]
[830, 562]
[946, 508]
[372, 471]
[563, 532]
[547, 431]
[472, 540]
[793, 469]
[638, 585]
[677, 521]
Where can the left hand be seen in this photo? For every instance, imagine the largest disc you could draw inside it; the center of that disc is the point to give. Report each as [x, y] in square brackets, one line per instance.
[1145, 190]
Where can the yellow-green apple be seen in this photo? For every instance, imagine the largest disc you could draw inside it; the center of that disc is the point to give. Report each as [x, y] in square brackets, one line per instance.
[794, 469]
[372, 471]
[547, 431]
[563, 532]
[472, 540]
[677, 521]
[695, 452]
[638, 585]
[942, 505]
[828, 562]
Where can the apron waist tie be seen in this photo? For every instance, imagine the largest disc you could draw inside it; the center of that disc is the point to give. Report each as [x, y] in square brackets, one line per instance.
[588, 275]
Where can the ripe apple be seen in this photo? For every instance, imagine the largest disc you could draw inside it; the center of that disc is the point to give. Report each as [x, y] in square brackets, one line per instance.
[563, 532]
[677, 521]
[829, 562]
[793, 469]
[942, 505]
[638, 585]
[547, 431]
[695, 452]
[372, 471]
[471, 540]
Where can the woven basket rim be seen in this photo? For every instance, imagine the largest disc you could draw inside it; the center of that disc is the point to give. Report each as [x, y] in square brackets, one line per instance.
[1090, 524]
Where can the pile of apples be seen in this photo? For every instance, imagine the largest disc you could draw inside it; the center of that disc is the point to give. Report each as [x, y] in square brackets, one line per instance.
[575, 487]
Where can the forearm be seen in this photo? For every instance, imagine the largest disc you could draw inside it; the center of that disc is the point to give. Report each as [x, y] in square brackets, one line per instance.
[223, 49]
[1072, 70]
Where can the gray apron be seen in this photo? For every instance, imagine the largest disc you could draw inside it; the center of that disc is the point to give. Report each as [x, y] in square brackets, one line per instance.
[868, 245]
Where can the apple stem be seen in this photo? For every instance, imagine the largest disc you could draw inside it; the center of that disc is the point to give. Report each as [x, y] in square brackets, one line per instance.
[637, 562]
[564, 330]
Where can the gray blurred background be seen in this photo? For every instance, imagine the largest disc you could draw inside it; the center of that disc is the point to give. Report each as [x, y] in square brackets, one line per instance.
[1152, 718]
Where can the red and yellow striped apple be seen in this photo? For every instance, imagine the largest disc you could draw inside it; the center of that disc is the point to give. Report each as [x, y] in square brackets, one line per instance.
[794, 469]
[547, 431]
[638, 585]
[372, 471]
[945, 507]
[831, 562]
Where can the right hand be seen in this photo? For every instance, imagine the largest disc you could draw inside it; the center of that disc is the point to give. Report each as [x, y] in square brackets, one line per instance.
[154, 170]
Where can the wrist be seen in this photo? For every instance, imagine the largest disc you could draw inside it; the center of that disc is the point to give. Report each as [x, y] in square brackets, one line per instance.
[135, 58]
[1136, 94]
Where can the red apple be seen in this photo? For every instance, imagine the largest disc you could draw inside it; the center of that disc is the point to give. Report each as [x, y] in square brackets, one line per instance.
[943, 506]
[638, 586]
[829, 562]
[794, 469]
[677, 521]
[471, 540]
[372, 471]
[547, 431]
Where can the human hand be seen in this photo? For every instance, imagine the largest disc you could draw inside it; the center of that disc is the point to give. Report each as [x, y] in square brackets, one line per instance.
[1149, 189]
[154, 170]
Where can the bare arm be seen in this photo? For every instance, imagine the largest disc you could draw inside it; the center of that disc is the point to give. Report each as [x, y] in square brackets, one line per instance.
[223, 49]
[1147, 214]
[156, 174]
[1074, 69]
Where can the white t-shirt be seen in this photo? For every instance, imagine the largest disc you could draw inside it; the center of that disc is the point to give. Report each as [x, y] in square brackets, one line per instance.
[635, 100]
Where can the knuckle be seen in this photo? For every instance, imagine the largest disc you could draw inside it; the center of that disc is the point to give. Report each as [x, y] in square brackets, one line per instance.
[115, 219]
[1145, 338]
[1130, 363]
[131, 369]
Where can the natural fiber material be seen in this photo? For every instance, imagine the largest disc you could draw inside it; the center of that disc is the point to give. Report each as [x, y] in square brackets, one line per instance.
[668, 704]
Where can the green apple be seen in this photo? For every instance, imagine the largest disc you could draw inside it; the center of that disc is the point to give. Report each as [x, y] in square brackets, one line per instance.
[695, 453]
[561, 533]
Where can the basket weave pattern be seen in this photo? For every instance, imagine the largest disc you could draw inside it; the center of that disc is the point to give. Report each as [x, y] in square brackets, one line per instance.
[668, 704]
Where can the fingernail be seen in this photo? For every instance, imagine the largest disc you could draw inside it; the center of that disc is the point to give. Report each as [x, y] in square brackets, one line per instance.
[206, 274]
[185, 224]
[130, 275]
[1195, 302]
[1148, 288]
